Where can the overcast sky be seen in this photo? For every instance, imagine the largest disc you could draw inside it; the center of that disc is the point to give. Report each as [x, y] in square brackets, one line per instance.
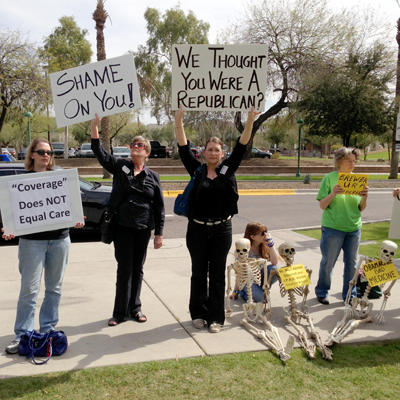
[127, 28]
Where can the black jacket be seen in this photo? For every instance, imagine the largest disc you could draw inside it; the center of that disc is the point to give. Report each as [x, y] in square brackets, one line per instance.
[142, 203]
[226, 171]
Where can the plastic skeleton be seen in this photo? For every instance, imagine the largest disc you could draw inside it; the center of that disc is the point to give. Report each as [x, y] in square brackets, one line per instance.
[287, 252]
[247, 271]
[357, 317]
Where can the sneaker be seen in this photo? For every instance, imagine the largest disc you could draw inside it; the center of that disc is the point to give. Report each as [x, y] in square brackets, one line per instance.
[198, 323]
[215, 328]
[13, 347]
[323, 300]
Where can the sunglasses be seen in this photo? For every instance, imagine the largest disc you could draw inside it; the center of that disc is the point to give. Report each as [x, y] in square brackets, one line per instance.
[263, 233]
[42, 152]
[137, 144]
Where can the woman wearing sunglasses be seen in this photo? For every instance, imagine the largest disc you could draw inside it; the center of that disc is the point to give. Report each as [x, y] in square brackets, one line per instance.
[138, 200]
[212, 203]
[262, 246]
[37, 253]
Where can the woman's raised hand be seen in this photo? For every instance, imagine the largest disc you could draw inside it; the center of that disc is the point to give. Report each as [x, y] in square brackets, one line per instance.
[179, 115]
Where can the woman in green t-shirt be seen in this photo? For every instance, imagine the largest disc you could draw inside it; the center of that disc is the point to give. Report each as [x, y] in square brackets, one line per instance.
[340, 225]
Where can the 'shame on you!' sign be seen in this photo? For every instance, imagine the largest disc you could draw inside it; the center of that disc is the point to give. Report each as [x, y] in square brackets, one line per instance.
[219, 77]
[106, 87]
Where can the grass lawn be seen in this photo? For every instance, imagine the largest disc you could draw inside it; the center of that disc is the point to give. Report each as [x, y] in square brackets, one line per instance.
[377, 232]
[357, 372]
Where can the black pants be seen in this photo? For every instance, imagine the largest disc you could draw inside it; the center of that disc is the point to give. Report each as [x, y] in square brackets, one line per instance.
[130, 252]
[208, 247]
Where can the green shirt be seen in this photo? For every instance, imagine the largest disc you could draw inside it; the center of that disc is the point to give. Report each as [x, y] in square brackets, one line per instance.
[343, 212]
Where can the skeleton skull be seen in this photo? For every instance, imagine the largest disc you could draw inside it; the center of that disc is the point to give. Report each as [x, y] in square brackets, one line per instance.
[388, 250]
[242, 249]
[286, 251]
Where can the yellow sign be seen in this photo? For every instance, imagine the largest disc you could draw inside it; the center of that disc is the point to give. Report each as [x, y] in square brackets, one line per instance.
[294, 276]
[352, 183]
[378, 273]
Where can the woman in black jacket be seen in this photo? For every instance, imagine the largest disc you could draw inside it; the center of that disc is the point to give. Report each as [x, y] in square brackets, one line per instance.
[137, 197]
[212, 203]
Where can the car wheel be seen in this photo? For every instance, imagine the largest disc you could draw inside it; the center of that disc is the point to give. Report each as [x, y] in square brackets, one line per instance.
[267, 156]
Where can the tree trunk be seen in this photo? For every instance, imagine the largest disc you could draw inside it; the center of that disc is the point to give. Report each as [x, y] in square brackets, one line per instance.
[100, 16]
[394, 164]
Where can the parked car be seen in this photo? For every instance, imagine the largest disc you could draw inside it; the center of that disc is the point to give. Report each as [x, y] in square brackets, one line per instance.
[257, 153]
[5, 151]
[84, 151]
[7, 158]
[21, 154]
[94, 195]
[11, 151]
[71, 153]
[58, 148]
[121, 152]
[157, 151]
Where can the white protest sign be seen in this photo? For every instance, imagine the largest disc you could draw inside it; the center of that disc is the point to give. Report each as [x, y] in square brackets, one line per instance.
[219, 77]
[39, 202]
[106, 87]
[394, 230]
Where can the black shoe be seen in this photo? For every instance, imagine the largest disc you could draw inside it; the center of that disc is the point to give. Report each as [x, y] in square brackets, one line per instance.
[323, 300]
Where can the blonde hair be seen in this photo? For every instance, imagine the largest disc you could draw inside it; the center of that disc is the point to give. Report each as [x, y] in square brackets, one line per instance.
[343, 154]
[29, 163]
[216, 140]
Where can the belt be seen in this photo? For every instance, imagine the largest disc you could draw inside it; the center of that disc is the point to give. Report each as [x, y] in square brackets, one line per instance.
[212, 223]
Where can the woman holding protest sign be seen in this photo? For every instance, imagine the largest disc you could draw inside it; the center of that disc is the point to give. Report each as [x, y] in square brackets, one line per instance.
[37, 253]
[138, 200]
[340, 225]
[212, 203]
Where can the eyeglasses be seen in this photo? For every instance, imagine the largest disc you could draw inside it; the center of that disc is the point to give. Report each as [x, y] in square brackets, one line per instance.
[42, 152]
[351, 161]
[263, 233]
[137, 144]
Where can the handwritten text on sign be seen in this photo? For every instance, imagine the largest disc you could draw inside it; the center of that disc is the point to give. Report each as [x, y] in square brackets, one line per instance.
[219, 77]
[352, 183]
[294, 276]
[378, 273]
[106, 87]
[40, 201]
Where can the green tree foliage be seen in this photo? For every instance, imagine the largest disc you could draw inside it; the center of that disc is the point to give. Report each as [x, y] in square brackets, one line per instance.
[22, 81]
[66, 47]
[351, 99]
[153, 61]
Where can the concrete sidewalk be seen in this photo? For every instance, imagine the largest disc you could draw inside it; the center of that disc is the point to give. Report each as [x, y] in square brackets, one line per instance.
[88, 296]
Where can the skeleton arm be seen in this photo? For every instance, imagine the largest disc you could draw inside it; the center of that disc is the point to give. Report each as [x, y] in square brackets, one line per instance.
[380, 318]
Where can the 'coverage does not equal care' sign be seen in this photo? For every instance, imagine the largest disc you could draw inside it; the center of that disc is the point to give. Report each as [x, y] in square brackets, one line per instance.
[219, 77]
[106, 87]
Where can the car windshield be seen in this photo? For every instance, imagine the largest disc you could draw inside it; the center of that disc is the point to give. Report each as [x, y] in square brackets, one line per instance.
[58, 145]
[86, 147]
[86, 185]
[121, 150]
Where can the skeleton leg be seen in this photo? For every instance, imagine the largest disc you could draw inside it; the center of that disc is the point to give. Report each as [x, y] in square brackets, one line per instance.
[270, 341]
[380, 319]
[326, 353]
[339, 326]
[309, 348]
[352, 324]
[228, 311]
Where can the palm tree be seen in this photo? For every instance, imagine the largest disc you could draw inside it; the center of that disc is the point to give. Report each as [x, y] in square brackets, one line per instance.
[100, 16]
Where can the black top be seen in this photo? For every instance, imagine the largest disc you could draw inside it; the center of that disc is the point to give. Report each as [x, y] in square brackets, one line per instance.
[142, 204]
[47, 235]
[213, 198]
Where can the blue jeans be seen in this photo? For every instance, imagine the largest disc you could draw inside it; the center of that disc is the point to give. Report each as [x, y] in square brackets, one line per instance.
[34, 257]
[332, 241]
[256, 291]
